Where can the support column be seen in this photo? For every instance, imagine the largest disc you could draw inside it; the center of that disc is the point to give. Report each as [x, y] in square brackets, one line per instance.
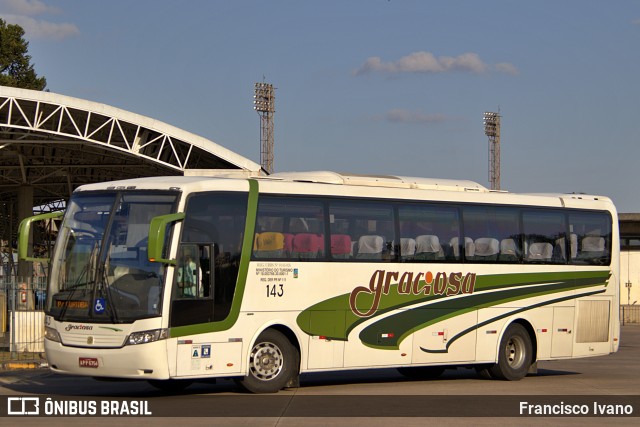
[25, 210]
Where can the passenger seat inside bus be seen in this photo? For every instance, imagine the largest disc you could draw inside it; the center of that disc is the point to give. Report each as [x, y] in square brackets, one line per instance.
[469, 247]
[573, 241]
[370, 247]
[593, 247]
[269, 245]
[486, 249]
[341, 247]
[428, 248]
[509, 251]
[288, 242]
[407, 248]
[307, 246]
[540, 251]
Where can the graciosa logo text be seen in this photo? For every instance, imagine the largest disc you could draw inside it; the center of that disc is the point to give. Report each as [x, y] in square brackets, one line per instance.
[72, 327]
[410, 283]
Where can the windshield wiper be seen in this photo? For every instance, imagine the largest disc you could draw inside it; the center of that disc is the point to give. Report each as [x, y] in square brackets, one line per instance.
[72, 289]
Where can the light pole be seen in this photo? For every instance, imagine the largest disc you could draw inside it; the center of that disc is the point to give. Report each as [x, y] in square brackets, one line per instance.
[264, 102]
[492, 130]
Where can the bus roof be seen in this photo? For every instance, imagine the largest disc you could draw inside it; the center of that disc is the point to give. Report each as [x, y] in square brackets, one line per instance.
[327, 177]
[199, 181]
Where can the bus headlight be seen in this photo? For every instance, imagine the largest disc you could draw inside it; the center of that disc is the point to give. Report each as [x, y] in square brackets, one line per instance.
[51, 334]
[143, 337]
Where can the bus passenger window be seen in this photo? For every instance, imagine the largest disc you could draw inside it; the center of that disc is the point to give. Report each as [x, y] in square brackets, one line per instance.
[427, 232]
[369, 225]
[492, 234]
[591, 238]
[289, 228]
[544, 234]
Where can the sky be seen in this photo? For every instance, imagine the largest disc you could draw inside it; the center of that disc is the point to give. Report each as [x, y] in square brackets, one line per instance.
[392, 87]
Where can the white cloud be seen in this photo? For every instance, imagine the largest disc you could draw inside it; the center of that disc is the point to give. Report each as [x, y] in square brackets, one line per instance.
[27, 7]
[399, 115]
[42, 29]
[427, 62]
[507, 68]
[21, 12]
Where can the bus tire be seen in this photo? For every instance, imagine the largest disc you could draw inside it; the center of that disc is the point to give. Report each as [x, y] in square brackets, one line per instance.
[484, 371]
[515, 354]
[273, 363]
[422, 372]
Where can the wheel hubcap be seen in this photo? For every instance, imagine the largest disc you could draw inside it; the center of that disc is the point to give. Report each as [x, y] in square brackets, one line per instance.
[515, 352]
[266, 361]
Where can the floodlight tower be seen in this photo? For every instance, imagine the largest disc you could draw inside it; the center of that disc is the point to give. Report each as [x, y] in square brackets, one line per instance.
[492, 130]
[264, 102]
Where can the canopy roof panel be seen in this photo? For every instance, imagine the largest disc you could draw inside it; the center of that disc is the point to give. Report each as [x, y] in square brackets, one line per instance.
[56, 143]
[50, 144]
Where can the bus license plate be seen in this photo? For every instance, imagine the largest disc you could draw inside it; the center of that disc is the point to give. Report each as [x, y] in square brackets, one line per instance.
[88, 362]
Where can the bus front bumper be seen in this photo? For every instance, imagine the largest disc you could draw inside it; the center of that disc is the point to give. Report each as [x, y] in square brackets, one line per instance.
[142, 361]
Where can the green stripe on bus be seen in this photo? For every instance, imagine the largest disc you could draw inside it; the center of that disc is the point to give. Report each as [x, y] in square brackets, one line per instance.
[394, 300]
[508, 314]
[405, 323]
[247, 246]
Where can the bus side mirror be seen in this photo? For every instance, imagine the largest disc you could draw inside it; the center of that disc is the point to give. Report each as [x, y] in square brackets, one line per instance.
[157, 236]
[25, 229]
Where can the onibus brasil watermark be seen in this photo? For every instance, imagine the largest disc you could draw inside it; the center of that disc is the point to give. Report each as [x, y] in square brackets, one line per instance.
[49, 406]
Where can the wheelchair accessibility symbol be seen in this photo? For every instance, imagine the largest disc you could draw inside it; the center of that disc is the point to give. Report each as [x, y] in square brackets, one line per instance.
[99, 305]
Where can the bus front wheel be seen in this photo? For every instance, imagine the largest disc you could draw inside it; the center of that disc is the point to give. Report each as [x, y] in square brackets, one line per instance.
[514, 354]
[273, 363]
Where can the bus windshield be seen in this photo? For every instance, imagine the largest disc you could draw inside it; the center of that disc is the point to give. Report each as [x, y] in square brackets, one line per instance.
[100, 270]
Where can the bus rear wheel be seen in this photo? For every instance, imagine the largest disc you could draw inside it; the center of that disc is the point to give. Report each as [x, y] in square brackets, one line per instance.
[515, 354]
[273, 363]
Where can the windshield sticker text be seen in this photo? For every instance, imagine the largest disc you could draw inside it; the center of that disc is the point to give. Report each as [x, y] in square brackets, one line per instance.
[72, 304]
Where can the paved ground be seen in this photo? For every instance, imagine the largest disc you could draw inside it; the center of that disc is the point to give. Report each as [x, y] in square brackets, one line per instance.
[378, 397]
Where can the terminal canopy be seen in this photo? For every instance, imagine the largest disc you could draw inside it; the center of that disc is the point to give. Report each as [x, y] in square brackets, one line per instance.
[50, 144]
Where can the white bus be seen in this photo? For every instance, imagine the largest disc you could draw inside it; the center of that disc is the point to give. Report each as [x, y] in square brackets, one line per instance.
[263, 278]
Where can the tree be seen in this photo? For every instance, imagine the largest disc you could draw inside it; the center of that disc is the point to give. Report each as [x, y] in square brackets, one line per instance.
[16, 69]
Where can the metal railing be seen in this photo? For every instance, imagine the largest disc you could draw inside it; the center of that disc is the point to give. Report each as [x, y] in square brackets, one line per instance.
[629, 314]
[22, 317]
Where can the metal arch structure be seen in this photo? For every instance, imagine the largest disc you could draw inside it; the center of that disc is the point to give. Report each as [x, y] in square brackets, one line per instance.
[50, 144]
[57, 142]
